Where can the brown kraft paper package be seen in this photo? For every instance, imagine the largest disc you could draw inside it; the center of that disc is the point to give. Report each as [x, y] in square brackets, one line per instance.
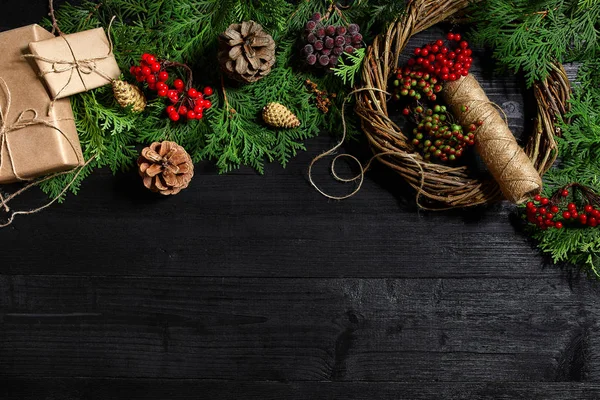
[33, 143]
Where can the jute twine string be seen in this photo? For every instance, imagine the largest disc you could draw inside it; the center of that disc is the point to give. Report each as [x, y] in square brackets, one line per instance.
[86, 66]
[497, 146]
[24, 121]
[362, 168]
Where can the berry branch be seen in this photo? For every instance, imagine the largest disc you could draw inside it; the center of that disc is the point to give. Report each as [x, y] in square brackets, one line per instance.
[186, 101]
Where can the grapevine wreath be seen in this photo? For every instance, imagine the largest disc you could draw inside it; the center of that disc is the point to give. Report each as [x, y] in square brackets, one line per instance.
[446, 186]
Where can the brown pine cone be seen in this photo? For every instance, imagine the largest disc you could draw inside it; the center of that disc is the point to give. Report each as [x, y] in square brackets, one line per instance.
[246, 52]
[166, 167]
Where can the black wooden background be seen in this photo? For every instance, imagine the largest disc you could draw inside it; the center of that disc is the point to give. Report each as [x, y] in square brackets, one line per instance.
[256, 287]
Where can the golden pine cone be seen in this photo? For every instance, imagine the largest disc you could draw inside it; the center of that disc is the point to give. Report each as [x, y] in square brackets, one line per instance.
[166, 167]
[279, 116]
[246, 52]
[127, 94]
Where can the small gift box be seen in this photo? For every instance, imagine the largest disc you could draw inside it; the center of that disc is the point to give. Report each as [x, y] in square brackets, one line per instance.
[75, 63]
[32, 142]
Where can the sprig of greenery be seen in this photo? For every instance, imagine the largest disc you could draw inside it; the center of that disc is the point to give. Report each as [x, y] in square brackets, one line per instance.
[349, 70]
[529, 35]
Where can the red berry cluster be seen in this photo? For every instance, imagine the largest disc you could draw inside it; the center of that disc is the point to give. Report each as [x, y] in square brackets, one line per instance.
[187, 102]
[437, 136]
[415, 84]
[446, 61]
[326, 43]
[547, 213]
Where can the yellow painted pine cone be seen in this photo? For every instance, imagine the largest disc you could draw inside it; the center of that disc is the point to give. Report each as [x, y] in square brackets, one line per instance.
[127, 94]
[279, 116]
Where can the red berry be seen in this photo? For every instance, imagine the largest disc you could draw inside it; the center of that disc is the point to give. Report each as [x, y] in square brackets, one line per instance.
[571, 206]
[171, 110]
[544, 200]
[132, 70]
[445, 77]
[191, 114]
[452, 77]
[592, 222]
[558, 225]
[406, 111]
[574, 214]
[463, 45]
[178, 83]
[530, 204]
[146, 71]
[174, 116]
[155, 67]
[161, 86]
[566, 215]
[151, 79]
[192, 93]
[183, 110]
[543, 211]
[150, 59]
[537, 197]
[152, 86]
[199, 115]
[163, 76]
[199, 108]
[138, 70]
[140, 78]
[162, 92]
[435, 48]
[450, 36]
[588, 208]
[549, 216]
[207, 104]
[145, 56]
[439, 42]
[424, 52]
[583, 219]
[564, 193]
[554, 209]
[417, 51]
[457, 37]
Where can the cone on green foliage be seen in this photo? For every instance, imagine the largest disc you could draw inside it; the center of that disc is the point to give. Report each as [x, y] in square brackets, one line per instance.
[279, 116]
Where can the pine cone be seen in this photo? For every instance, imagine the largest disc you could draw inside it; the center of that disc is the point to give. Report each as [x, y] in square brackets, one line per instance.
[279, 116]
[127, 94]
[166, 167]
[246, 52]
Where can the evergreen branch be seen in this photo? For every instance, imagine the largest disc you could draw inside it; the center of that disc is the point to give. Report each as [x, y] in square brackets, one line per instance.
[349, 71]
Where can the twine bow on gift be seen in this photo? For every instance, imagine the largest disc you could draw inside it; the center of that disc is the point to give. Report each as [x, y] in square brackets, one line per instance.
[26, 118]
[86, 66]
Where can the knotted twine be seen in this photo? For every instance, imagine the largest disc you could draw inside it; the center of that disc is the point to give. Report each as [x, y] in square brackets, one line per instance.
[86, 66]
[505, 159]
[26, 118]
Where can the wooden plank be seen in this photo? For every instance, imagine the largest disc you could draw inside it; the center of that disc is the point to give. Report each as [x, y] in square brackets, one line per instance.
[260, 226]
[175, 389]
[297, 329]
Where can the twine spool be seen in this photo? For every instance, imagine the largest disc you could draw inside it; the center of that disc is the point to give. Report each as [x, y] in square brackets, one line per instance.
[495, 143]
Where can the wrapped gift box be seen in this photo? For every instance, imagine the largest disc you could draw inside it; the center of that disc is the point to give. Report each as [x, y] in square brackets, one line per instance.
[75, 63]
[35, 143]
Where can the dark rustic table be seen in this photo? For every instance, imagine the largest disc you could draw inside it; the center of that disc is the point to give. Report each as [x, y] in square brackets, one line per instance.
[256, 287]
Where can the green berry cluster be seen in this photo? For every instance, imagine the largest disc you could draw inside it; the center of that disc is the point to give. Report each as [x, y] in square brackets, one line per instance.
[415, 84]
[437, 136]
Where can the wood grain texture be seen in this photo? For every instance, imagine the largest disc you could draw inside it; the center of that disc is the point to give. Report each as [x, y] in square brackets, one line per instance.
[297, 329]
[175, 389]
[256, 287]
